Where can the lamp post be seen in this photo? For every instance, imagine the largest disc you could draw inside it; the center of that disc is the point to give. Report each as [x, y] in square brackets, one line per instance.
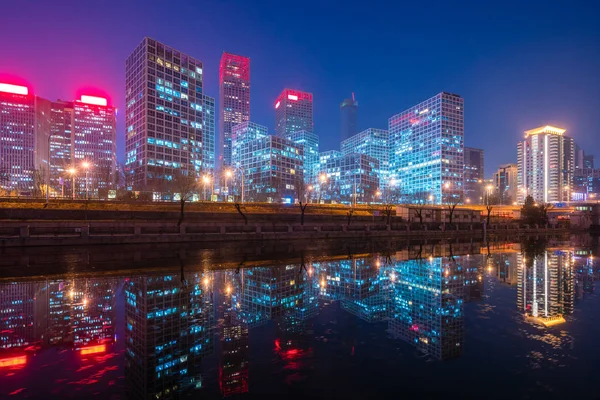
[307, 194]
[377, 194]
[86, 166]
[391, 185]
[322, 180]
[488, 192]
[206, 181]
[228, 174]
[48, 173]
[241, 170]
[72, 171]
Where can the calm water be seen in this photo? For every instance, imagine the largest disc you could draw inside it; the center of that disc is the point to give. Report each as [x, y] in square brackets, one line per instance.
[518, 320]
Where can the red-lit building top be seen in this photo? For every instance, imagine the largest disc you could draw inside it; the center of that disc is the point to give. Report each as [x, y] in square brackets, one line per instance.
[293, 112]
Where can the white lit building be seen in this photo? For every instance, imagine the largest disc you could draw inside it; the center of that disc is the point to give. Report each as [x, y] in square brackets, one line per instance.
[545, 160]
[374, 143]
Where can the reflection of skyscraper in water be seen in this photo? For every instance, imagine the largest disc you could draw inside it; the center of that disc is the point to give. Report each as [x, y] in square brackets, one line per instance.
[546, 285]
[427, 305]
[233, 371]
[473, 267]
[93, 308]
[506, 267]
[361, 287]
[166, 333]
[17, 309]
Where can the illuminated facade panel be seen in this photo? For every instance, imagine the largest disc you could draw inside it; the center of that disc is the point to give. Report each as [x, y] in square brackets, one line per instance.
[546, 160]
[505, 183]
[426, 157]
[348, 178]
[293, 112]
[242, 133]
[234, 99]
[165, 117]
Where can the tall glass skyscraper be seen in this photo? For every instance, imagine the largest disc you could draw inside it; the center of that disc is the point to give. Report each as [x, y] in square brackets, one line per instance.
[165, 115]
[374, 143]
[349, 118]
[242, 133]
[293, 112]
[234, 98]
[545, 161]
[426, 157]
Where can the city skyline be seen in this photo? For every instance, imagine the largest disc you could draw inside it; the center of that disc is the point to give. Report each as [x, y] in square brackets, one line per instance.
[493, 110]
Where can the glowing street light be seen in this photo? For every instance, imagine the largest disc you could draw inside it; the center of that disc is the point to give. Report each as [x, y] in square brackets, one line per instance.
[86, 165]
[206, 180]
[72, 171]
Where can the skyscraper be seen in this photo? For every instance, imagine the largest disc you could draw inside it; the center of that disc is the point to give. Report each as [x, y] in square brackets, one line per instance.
[17, 138]
[349, 118]
[426, 157]
[310, 143]
[234, 98]
[374, 143]
[473, 173]
[545, 158]
[94, 141]
[505, 182]
[61, 141]
[293, 112]
[165, 115]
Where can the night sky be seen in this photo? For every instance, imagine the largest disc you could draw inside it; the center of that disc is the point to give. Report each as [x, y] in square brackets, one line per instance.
[518, 64]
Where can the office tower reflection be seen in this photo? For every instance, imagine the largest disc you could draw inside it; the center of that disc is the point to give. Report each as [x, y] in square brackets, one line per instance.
[166, 334]
[362, 294]
[473, 270]
[426, 307]
[234, 365]
[546, 282]
[17, 315]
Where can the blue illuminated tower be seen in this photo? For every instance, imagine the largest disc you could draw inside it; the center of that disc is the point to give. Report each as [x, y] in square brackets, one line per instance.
[426, 159]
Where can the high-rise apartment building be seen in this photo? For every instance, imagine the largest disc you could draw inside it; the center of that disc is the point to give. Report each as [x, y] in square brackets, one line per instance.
[17, 138]
[474, 163]
[234, 99]
[426, 157]
[310, 144]
[165, 115]
[545, 159]
[349, 118]
[374, 143]
[293, 112]
[505, 182]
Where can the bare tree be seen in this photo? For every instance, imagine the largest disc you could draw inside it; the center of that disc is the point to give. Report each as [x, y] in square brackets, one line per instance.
[39, 183]
[451, 206]
[186, 186]
[302, 210]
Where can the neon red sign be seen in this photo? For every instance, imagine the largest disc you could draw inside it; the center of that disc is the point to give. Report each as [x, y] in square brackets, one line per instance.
[15, 89]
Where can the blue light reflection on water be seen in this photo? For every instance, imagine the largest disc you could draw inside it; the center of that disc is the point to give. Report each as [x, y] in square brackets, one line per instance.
[375, 326]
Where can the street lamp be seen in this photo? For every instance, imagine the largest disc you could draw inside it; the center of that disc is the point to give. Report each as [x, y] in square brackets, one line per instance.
[322, 180]
[489, 191]
[377, 194]
[228, 174]
[86, 166]
[206, 180]
[308, 190]
[431, 199]
[72, 171]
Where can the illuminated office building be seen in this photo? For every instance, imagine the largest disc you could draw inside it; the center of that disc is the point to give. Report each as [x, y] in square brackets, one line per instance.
[293, 112]
[18, 131]
[166, 118]
[166, 333]
[474, 164]
[17, 306]
[310, 145]
[273, 169]
[94, 141]
[426, 307]
[208, 144]
[426, 157]
[61, 145]
[234, 99]
[505, 183]
[244, 133]
[364, 295]
[374, 143]
[545, 160]
[348, 178]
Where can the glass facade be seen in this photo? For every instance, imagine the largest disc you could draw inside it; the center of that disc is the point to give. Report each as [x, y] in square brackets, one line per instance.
[234, 99]
[165, 116]
[474, 170]
[272, 167]
[374, 143]
[347, 178]
[293, 112]
[426, 159]
[505, 182]
[310, 144]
